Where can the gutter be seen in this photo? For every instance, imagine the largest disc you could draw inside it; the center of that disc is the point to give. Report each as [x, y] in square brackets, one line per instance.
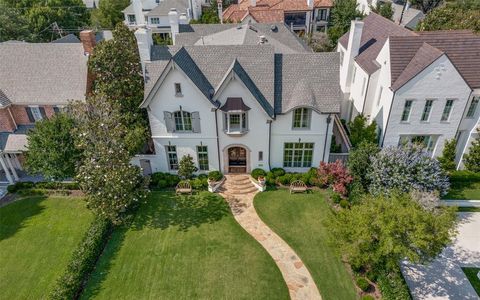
[329, 119]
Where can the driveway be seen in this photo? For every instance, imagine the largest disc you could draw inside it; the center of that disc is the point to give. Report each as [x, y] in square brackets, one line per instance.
[444, 278]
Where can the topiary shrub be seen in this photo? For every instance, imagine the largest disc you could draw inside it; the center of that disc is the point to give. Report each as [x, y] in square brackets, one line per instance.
[363, 284]
[344, 203]
[406, 168]
[83, 260]
[215, 175]
[277, 172]
[258, 172]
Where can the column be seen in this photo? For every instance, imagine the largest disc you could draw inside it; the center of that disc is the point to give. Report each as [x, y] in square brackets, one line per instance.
[9, 163]
[4, 166]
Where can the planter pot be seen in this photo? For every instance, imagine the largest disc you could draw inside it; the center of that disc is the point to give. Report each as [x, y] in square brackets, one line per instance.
[261, 180]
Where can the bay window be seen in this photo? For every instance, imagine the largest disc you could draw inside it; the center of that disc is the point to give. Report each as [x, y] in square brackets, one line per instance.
[236, 122]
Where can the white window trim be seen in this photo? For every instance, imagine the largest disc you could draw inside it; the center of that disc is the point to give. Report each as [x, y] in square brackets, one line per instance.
[36, 113]
[308, 117]
[449, 113]
[198, 158]
[177, 94]
[183, 118]
[409, 111]
[429, 112]
[242, 128]
[168, 156]
[467, 116]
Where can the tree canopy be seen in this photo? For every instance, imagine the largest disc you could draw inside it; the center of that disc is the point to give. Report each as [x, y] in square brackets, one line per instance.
[457, 14]
[13, 25]
[384, 9]
[343, 12]
[109, 13]
[51, 149]
[361, 131]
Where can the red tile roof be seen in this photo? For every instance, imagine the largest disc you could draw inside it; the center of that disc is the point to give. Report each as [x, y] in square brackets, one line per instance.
[267, 11]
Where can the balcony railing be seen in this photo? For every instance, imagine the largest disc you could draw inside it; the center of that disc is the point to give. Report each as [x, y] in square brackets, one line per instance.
[343, 157]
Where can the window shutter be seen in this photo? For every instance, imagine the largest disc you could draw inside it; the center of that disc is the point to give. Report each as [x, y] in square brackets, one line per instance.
[196, 121]
[169, 121]
[42, 112]
[30, 115]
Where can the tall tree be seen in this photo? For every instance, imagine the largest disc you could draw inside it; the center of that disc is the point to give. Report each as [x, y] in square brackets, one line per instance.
[380, 231]
[472, 159]
[69, 15]
[456, 14]
[118, 75]
[13, 25]
[361, 131]
[51, 149]
[111, 184]
[109, 13]
[343, 12]
[384, 9]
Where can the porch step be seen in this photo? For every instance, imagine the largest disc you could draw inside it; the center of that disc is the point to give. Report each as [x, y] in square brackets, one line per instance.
[237, 185]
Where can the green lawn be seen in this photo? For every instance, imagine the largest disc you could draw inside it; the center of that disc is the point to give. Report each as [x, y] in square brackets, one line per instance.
[471, 274]
[37, 238]
[466, 190]
[185, 248]
[299, 220]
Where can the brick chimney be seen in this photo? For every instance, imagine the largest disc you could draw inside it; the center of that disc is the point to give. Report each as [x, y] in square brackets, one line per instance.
[88, 40]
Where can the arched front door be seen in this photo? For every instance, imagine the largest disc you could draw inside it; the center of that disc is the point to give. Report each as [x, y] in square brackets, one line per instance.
[237, 160]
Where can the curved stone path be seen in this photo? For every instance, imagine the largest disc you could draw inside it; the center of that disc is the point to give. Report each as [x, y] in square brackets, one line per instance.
[239, 193]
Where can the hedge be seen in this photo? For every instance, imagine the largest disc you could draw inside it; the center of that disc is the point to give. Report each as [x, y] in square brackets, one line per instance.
[83, 260]
[393, 286]
[161, 180]
[45, 185]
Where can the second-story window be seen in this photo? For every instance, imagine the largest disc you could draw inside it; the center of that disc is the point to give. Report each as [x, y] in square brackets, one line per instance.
[406, 110]
[178, 89]
[131, 19]
[154, 21]
[183, 121]
[322, 15]
[473, 107]
[447, 110]
[426, 110]
[301, 118]
[236, 122]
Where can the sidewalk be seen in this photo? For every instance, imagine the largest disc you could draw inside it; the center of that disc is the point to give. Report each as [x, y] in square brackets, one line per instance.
[461, 203]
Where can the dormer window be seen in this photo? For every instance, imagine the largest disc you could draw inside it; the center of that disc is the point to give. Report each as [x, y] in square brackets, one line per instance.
[178, 90]
[301, 118]
[235, 116]
[131, 19]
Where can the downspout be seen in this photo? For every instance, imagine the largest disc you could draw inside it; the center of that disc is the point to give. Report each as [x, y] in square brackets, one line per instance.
[388, 120]
[269, 142]
[218, 140]
[366, 93]
[329, 119]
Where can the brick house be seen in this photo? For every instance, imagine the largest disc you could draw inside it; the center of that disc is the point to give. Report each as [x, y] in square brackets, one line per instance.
[36, 81]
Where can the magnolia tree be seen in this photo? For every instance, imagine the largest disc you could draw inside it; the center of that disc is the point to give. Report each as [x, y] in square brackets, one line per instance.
[110, 182]
[405, 169]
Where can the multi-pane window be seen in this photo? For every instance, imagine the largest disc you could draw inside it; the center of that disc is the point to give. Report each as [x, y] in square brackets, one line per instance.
[36, 113]
[426, 110]
[322, 15]
[236, 122]
[298, 155]
[154, 21]
[131, 19]
[473, 107]
[172, 157]
[406, 110]
[447, 110]
[183, 121]
[301, 118]
[202, 153]
[428, 142]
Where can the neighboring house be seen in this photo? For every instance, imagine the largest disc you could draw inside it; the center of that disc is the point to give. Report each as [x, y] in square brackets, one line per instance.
[278, 35]
[300, 15]
[36, 81]
[420, 87]
[240, 107]
[403, 14]
[154, 13]
[91, 3]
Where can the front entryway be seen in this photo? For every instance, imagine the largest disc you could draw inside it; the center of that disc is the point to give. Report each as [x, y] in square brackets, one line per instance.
[237, 160]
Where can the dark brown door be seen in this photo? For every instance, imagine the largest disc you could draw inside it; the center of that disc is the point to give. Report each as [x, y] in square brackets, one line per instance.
[237, 160]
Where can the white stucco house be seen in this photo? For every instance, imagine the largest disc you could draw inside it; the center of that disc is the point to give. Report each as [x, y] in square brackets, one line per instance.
[234, 108]
[154, 13]
[417, 86]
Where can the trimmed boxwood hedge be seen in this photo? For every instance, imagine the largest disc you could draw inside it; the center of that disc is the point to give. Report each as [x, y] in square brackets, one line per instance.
[42, 185]
[83, 261]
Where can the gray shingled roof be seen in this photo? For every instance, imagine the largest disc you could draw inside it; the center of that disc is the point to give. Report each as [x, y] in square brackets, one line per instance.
[272, 78]
[43, 73]
[164, 7]
[69, 38]
[277, 35]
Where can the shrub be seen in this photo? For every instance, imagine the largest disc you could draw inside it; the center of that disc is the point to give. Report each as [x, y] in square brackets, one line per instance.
[20, 186]
[471, 160]
[31, 192]
[363, 284]
[186, 167]
[199, 183]
[464, 176]
[360, 131]
[355, 192]
[344, 203]
[163, 180]
[447, 160]
[360, 161]
[277, 172]
[336, 197]
[285, 179]
[270, 179]
[215, 175]
[82, 262]
[162, 183]
[393, 286]
[405, 169]
[334, 175]
[258, 172]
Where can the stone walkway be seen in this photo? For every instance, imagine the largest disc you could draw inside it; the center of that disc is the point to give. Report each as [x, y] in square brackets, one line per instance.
[239, 193]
